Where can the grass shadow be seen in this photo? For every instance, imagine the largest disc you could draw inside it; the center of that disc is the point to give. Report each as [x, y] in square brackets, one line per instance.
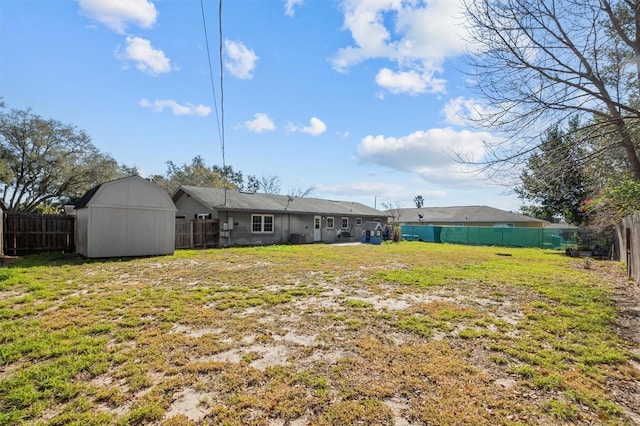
[56, 259]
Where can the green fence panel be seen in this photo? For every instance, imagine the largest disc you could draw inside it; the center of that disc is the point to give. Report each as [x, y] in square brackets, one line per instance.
[454, 235]
[555, 238]
[487, 236]
[418, 233]
[522, 237]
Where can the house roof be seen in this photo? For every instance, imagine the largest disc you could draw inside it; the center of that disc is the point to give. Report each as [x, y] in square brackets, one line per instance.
[462, 214]
[234, 200]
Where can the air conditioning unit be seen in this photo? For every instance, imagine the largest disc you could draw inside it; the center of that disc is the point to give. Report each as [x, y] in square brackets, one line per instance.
[297, 239]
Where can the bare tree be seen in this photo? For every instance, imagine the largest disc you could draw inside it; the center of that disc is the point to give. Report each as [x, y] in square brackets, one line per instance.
[300, 192]
[395, 210]
[538, 62]
[269, 184]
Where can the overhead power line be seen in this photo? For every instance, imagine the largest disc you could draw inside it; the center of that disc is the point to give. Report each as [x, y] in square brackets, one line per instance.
[220, 111]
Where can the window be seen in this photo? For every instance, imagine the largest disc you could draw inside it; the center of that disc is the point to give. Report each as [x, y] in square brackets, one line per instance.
[202, 216]
[345, 222]
[330, 223]
[359, 221]
[261, 223]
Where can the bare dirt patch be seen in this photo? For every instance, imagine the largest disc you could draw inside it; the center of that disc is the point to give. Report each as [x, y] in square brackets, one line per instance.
[191, 404]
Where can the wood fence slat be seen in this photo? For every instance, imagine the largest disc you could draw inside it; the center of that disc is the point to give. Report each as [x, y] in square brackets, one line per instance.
[28, 233]
[197, 233]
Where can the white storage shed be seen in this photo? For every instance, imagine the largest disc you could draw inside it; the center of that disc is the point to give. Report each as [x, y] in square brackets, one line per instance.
[123, 218]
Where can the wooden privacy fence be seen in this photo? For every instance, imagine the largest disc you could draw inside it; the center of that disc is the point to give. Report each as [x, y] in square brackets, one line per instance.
[28, 233]
[197, 233]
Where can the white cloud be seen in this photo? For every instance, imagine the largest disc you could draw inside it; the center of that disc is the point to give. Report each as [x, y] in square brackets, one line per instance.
[290, 5]
[316, 127]
[117, 14]
[461, 111]
[436, 193]
[177, 109]
[147, 58]
[240, 60]
[415, 35]
[260, 123]
[361, 188]
[430, 154]
[411, 82]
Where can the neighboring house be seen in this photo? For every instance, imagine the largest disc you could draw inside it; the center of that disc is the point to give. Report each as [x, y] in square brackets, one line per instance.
[260, 219]
[465, 216]
[125, 217]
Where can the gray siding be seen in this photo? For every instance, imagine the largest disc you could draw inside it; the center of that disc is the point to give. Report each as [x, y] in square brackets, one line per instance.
[188, 207]
[284, 225]
[292, 216]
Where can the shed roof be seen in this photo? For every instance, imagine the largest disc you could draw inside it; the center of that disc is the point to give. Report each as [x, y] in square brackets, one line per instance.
[215, 199]
[371, 226]
[133, 191]
[462, 214]
[84, 200]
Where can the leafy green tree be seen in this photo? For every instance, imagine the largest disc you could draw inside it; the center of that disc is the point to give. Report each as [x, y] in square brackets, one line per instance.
[624, 196]
[553, 177]
[46, 162]
[199, 174]
[252, 185]
[616, 199]
[419, 201]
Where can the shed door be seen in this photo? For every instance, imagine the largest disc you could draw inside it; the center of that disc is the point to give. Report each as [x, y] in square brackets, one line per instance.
[317, 229]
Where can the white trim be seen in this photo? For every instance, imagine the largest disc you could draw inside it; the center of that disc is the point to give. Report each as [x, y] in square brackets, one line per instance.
[262, 223]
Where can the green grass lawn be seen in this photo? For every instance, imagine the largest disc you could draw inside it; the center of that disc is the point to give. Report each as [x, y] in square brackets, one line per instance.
[405, 333]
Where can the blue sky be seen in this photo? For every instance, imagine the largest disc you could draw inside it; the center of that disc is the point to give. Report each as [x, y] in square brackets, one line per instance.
[360, 99]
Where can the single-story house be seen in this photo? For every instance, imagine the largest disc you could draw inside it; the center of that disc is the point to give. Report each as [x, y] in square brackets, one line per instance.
[261, 219]
[125, 217]
[464, 216]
